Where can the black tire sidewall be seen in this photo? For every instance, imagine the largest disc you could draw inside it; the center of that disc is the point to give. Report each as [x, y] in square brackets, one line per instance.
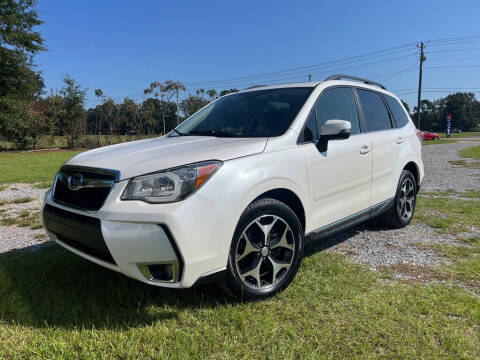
[255, 210]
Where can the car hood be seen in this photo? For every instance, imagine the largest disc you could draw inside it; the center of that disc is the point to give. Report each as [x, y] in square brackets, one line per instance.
[146, 156]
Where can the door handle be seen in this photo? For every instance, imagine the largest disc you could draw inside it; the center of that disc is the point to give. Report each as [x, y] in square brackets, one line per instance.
[399, 140]
[364, 150]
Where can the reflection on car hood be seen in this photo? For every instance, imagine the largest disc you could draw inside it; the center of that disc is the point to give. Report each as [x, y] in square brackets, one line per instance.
[146, 156]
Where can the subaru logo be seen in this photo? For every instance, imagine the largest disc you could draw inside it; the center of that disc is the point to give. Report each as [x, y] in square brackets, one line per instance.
[76, 181]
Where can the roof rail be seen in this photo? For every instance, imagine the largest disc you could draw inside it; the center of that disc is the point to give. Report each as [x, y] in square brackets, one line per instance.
[254, 86]
[366, 81]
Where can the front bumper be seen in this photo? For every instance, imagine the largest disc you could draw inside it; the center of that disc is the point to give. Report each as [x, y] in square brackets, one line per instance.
[193, 235]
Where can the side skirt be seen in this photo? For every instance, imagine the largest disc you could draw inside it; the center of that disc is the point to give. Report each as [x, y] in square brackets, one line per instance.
[351, 220]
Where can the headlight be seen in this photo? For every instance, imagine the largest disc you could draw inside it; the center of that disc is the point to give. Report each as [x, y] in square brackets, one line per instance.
[170, 185]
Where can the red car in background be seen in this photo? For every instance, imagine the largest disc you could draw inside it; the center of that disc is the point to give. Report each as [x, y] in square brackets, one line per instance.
[430, 135]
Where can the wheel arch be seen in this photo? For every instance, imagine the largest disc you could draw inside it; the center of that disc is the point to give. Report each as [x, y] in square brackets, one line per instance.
[289, 198]
[413, 168]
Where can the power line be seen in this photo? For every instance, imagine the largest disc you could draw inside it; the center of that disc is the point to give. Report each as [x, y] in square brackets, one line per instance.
[453, 50]
[300, 73]
[453, 67]
[385, 52]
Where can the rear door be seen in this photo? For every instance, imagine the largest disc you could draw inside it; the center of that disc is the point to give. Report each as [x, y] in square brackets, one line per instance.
[386, 143]
[339, 177]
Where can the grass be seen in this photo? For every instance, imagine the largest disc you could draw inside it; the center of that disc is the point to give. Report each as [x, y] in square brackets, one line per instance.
[334, 309]
[460, 135]
[448, 215]
[16, 201]
[54, 304]
[472, 152]
[463, 267]
[471, 165]
[43, 185]
[437, 142]
[472, 194]
[31, 167]
[26, 218]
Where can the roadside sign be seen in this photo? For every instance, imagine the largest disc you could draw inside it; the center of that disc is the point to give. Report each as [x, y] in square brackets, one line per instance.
[449, 124]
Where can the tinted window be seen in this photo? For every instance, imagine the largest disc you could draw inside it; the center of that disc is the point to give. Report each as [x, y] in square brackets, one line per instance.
[260, 113]
[376, 114]
[337, 103]
[401, 118]
[310, 130]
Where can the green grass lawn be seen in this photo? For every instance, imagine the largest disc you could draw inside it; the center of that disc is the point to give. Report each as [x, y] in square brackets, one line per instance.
[471, 152]
[31, 167]
[55, 305]
[460, 135]
[437, 142]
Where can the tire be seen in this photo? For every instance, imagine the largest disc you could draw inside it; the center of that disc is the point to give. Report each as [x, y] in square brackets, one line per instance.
[266, 251]
[436, 138]
[399, 216]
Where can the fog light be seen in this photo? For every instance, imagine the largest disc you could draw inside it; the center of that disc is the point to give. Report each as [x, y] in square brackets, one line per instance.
[162, 272]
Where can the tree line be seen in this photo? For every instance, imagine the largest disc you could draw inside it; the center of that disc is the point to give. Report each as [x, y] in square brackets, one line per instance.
[464, 108]
[28, 113]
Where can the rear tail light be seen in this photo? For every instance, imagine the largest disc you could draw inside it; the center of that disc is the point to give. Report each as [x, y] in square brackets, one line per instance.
[419, 135]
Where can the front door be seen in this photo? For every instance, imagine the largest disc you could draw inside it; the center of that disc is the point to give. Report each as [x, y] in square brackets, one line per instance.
[339, 177]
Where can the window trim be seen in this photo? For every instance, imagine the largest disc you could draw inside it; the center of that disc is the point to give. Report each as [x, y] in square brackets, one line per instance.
[403, 109]
[300, 139]
[392, 123]
[360, 124]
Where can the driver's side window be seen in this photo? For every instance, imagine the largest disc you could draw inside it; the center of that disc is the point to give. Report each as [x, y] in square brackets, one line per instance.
[337, 103]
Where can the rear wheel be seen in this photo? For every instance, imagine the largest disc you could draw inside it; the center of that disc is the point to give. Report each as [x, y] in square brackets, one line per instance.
[403, 208]
[266, 250]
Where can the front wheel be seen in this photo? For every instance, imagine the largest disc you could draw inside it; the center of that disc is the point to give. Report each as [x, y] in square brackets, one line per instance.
[266, 251]
[403, 208]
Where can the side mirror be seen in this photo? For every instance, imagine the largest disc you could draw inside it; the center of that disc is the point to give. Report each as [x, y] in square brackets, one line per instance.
[333, 130]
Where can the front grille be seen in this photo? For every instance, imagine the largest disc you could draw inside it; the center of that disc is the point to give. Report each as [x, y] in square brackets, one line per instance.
[81, 232]
[90, 193]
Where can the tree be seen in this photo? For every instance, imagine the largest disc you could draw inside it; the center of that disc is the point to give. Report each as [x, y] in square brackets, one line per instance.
[73, 99]
[20, 84]
[130, 119]
[228, 91]
[44, 114]
[192, 104]
[109, 109]
[405, 105]
[202, 97]
[165, 92]
[465, 110]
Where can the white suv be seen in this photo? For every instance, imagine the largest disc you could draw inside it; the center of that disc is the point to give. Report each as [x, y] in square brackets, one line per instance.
[233, 192]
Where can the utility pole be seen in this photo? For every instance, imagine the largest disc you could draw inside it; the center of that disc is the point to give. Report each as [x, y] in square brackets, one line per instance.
[422, 59]
[309, 77]
[177, 108]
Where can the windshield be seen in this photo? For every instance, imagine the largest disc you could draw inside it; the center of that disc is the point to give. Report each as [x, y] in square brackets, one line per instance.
[261, 113]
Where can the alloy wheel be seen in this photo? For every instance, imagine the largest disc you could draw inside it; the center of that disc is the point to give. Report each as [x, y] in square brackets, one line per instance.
[265, 252]
[406, 202]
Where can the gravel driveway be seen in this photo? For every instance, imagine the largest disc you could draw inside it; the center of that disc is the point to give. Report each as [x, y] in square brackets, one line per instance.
[441, 175]
[368, 244]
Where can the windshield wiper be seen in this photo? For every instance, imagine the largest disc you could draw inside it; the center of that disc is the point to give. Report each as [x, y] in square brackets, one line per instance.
[210, 132]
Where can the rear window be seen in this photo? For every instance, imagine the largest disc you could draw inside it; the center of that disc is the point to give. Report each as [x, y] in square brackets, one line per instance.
[401, 118]
[374, 110]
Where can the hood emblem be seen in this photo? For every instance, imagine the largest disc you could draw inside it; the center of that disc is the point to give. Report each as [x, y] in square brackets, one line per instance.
[76, 182]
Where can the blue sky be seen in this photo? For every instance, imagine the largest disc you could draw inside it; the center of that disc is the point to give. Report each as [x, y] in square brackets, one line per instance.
[122, 46]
